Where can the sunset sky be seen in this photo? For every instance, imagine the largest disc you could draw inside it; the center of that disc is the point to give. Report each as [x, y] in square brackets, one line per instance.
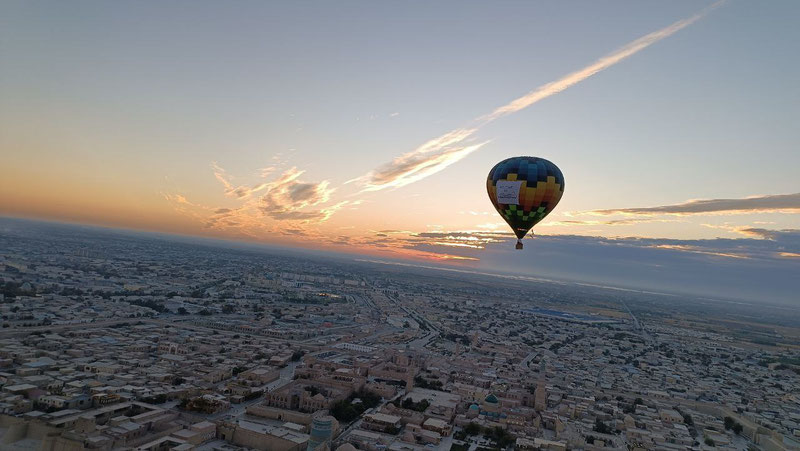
[370, 126]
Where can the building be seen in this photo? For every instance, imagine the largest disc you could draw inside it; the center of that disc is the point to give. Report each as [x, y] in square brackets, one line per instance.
[322, 430]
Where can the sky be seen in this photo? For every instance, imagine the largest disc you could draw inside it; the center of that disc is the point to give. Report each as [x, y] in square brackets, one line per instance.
[369, 127]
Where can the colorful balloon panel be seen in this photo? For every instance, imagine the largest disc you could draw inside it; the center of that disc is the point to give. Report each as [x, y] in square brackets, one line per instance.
[524, 190]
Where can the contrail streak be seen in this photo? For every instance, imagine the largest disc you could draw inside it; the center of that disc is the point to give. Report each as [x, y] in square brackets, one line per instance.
[545, 91]
[438, 153]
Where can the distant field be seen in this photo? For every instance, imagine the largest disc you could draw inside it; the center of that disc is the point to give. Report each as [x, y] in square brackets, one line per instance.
[568, 316]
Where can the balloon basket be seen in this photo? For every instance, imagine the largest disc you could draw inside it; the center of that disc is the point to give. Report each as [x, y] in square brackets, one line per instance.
[519, 245]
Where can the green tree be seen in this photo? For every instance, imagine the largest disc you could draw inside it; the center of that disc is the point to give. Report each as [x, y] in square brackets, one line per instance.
[601, 427]
[472, 429]
[729, 422]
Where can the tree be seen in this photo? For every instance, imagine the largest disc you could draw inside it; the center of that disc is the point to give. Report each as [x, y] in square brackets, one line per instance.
[346, 411]
[709, 442]
[421, 406]
[737, 428]
[729, 422]
[500, 436]
[472, 429]
[601, 427]
[182, 311]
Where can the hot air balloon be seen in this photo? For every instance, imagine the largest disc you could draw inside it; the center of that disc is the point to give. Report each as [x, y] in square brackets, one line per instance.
[524, 190]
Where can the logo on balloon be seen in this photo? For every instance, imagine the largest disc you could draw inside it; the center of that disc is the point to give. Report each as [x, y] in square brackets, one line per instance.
[508, 192]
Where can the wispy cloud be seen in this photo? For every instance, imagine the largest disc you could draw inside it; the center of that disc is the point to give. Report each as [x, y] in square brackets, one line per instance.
[745, 268]
[239, 192]
[221, 175]
[288, 198]
[785, 235]
[441, 152]
[612, 222]
[285, 198]
[760, 244]
[428, 159]
[698, 250]
[777, 203]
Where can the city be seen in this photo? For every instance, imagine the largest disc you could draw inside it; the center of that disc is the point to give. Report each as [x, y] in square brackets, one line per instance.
[123, 340]
[399, 225]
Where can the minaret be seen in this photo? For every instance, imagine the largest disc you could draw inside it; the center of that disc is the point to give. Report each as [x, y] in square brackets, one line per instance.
[540, 394]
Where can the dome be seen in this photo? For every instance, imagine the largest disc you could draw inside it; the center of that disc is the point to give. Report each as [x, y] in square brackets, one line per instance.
[492, 399]
[346, 447]
[474, 407]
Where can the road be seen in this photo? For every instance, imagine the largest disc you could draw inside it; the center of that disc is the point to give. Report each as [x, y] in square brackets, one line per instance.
[286, 376]
[636, 324]
[524, 364]
[420, 343]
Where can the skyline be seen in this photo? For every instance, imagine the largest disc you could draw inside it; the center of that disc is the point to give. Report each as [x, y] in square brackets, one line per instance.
[606, 263]
[206, 122]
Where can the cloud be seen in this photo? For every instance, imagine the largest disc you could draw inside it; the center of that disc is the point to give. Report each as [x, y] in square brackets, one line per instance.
[698, 250]
[776, 203]
[438, 153]
[287, 198]
[239, 192]
[177, 199]
[428, 159]
[613, 222]
[469, 239]
[476, 243]
[266, 171]
[761, 244]
[759, 268]
[754, 268]
[220, 175]
[770, 234]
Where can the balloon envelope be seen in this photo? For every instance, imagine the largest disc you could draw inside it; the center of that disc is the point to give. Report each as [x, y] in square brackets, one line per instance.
[524, 190]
